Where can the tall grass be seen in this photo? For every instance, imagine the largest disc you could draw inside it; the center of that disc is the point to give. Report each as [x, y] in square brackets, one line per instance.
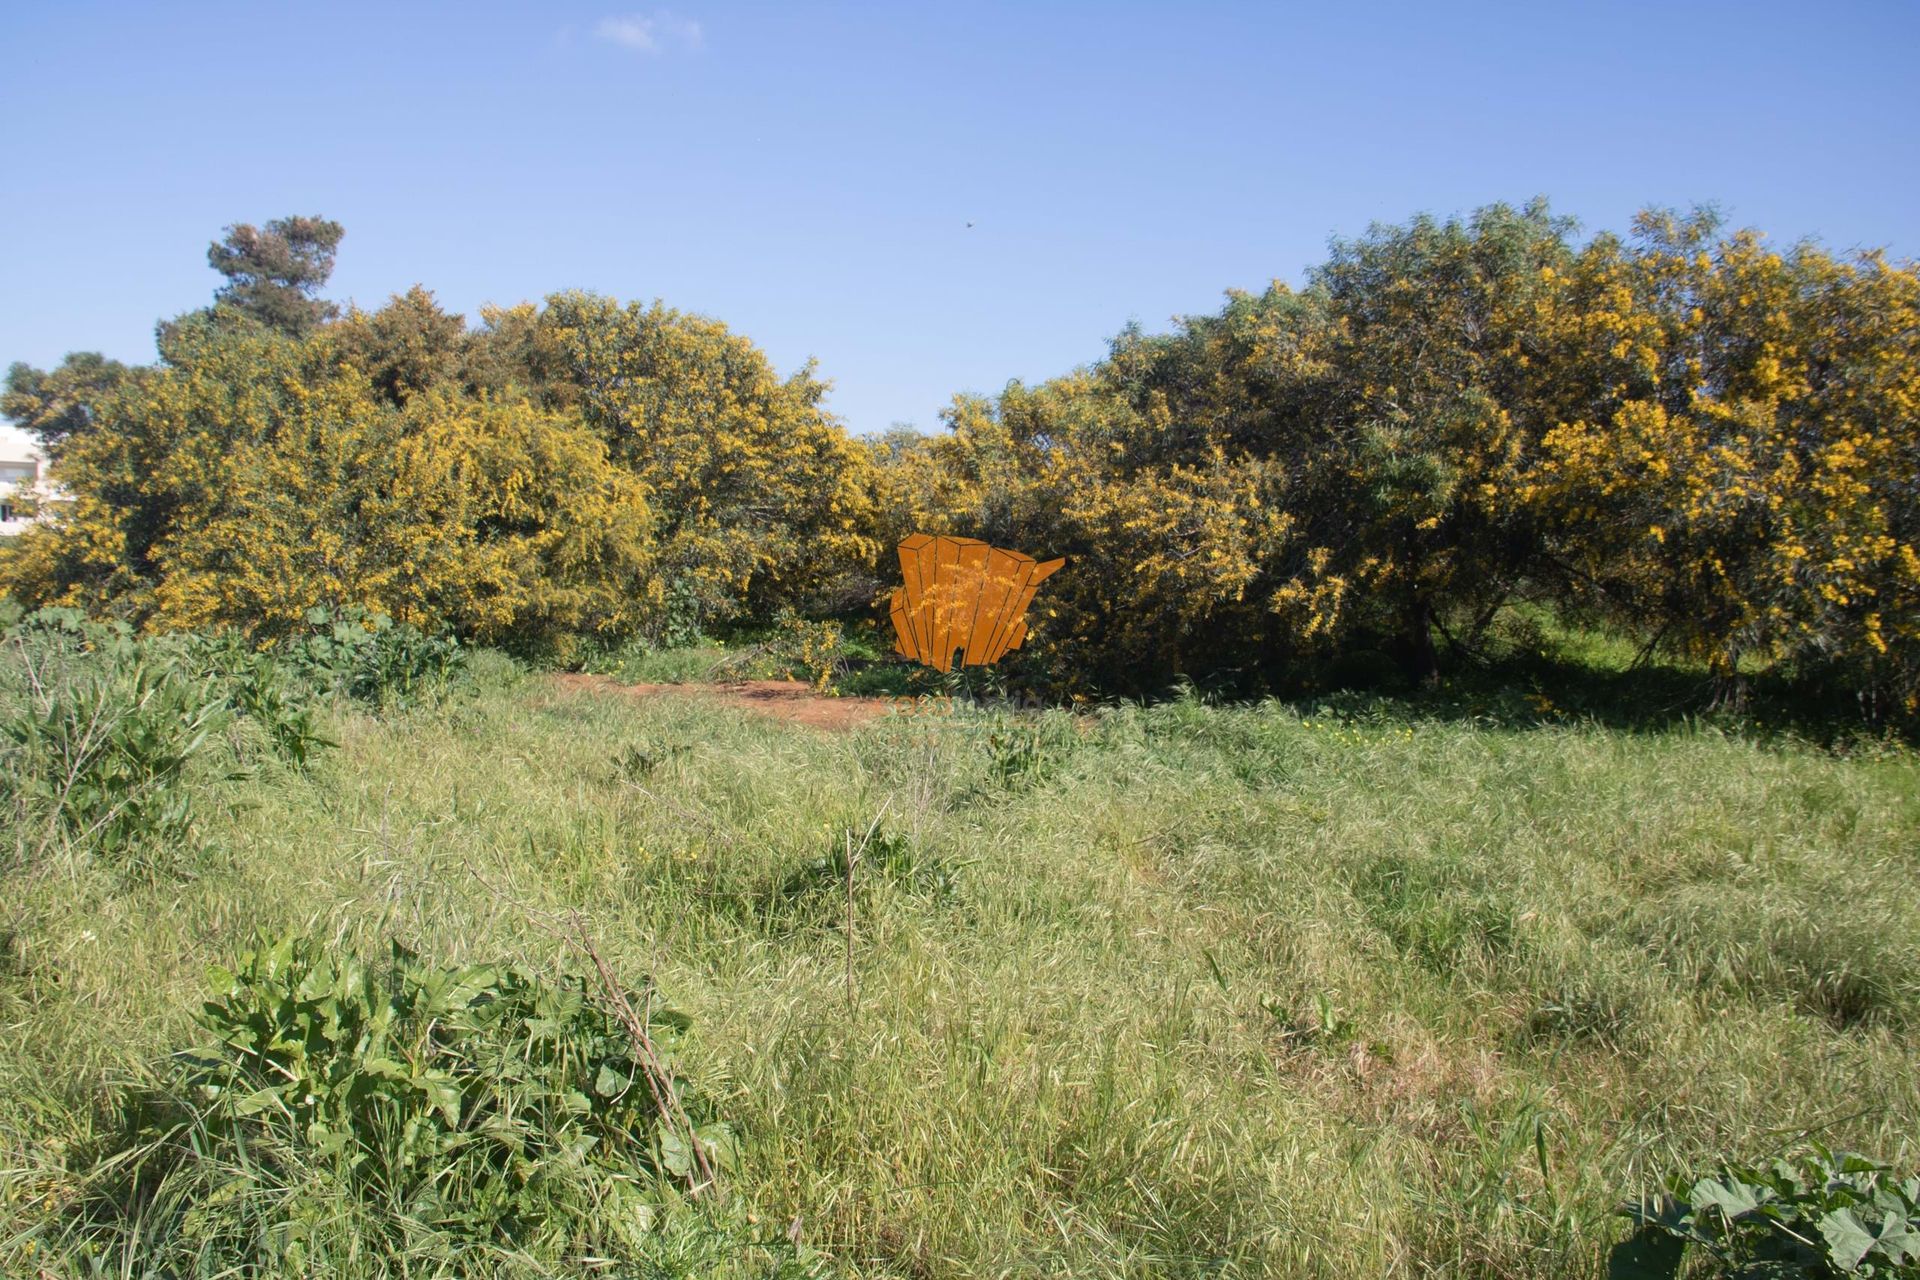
[1180, 990]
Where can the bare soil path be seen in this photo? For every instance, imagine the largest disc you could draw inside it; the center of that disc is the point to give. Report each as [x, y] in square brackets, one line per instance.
[793, 701]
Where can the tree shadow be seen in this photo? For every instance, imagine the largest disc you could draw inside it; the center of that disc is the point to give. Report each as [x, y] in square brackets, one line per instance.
[1538, 690]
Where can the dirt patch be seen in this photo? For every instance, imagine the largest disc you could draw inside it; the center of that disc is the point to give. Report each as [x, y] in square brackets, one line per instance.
[792, 701]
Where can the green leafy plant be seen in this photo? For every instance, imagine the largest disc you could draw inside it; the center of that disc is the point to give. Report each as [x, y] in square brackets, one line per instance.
[888, 856]
[258, 688]
[678, 626]
[1825, 1214]
[486, 1104]
[1324, 1025]
[372, 658]
[97, 735]
[108, 739]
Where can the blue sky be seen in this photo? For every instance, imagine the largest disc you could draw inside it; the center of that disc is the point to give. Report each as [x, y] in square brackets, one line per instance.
[806, 173]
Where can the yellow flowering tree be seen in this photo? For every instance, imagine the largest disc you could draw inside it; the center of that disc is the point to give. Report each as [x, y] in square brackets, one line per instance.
[761, 498]
[1163, 550]
[1304, 472]
[1707, 443]
[1425, 410]
[252, 477]
[1733, 466]
[497, 521]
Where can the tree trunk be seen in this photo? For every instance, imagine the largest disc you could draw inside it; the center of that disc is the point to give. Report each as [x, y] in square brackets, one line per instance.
[1422, 663]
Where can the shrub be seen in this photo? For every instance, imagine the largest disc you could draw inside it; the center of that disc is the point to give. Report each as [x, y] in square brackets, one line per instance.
[810, 651]
[108, 738]
[796, 648]
[1708, 443]
[342, 1112]
[96, 738]
[1825, 1214]
[760, 498]
[371, 658]
[258, 688]
[249, 477]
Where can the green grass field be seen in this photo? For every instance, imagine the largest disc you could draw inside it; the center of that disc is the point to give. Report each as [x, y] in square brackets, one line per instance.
[1175, 991]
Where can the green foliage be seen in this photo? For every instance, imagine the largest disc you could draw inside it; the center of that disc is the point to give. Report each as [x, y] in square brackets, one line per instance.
[53, 405]
[1732, 451]
[264, 688]
[98, 735]
[1825, 1214]
[340, 1111]
[1710, 445]
[110, 742]
[104, 752]
[273, 271]
[371, 658]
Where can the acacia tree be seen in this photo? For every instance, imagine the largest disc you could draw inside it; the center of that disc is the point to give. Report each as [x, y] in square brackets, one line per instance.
[492, 519]
[1428, 409]
[1735, 473]
[1303, 473]
[760, 496]
[254, 476]
[406, 347]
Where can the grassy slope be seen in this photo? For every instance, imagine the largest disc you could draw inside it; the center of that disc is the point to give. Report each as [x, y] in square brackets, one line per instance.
[1170, 992]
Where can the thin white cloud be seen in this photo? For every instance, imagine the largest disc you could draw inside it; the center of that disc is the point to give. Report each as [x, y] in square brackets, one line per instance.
[651, 33]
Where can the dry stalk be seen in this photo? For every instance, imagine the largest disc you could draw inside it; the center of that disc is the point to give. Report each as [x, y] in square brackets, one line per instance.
[571, 929]
[653, 1066]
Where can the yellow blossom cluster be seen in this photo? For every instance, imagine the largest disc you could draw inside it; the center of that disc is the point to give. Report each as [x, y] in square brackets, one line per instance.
[1712, 445]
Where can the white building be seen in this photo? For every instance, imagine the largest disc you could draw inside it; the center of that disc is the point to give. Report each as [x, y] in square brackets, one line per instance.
[22, 471]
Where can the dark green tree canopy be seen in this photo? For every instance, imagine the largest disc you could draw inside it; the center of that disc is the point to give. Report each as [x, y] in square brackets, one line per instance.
[57, 404]
[274, 272]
